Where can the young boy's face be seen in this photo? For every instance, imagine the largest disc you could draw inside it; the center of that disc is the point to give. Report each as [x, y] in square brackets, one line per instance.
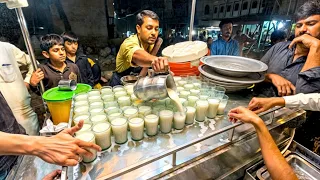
[71, 47]
[56, 54]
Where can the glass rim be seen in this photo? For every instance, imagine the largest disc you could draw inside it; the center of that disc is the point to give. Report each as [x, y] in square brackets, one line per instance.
[100, 123]
[171, 112]
[119, 124]
[142, 120]
[86, 132]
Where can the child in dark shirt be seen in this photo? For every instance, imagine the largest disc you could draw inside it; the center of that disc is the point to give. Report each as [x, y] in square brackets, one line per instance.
[56, 68]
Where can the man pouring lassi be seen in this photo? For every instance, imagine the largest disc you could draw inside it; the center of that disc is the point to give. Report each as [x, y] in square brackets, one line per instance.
[134, 56]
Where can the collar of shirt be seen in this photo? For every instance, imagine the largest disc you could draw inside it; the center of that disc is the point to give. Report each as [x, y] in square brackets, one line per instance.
[221, 39]
[56, 70]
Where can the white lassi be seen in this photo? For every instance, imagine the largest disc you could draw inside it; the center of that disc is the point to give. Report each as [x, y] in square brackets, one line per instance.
[144, 111]
[106, 90]
[85, 127]
[94, 93]
[88, 137]
[201, 110]
[151, 123]
[81, 110]
[81, 97]
[108, 97]
[184, 94]
[120, 94]
[166, 119]
[194, 92]
[95, 119]
[94, 98]
[213, 107]
[136, 128]
[192, 100]
[85, 117]
[188, 86]
[191, 111]
[119, 128]
[130, 113]
[102, 132]
[124, 101]
[179, 120]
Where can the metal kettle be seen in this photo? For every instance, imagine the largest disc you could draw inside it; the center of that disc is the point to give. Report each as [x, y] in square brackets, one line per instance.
[154, 86]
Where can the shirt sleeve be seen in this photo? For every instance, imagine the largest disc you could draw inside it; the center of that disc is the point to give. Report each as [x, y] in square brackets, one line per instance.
[24, 60]
[304, 101]
[266, 58]
[130, 47]
[308, 81]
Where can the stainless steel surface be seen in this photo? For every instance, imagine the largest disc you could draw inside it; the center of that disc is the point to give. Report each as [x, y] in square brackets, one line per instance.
[27, 41]
[302, 168]
[193, 9]
[250, 79]
[234, 66]
[153, 156]
[154, 87]
[305, 163]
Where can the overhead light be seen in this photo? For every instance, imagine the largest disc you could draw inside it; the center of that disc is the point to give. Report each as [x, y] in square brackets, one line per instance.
[281, 25]
[193, 32]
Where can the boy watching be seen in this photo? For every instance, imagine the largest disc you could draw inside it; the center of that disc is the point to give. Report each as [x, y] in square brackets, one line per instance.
[56, 68]
[89, 70]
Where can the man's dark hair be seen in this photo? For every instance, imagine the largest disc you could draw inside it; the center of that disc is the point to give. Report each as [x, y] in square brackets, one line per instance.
[144, 13]
[49, 40]
[309, 8]
[223, 22]
[70, 36]
[277, 36]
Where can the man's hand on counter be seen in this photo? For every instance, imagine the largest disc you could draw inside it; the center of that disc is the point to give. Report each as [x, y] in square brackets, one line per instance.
[62, 149]
[245, 115]
[160, 64]
[259, 105]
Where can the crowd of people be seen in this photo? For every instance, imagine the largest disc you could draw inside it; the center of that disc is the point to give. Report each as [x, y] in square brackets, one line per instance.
[293, 76]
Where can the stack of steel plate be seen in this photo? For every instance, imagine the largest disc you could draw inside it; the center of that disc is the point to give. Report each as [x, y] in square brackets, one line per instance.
[232, 72]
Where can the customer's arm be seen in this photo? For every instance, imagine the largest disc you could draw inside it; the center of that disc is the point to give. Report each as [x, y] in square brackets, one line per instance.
[275, 162]
[61, 149]
[305, 101]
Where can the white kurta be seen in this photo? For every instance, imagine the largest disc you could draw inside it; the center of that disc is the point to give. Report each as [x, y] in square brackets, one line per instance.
[13, 88]
[305, 101]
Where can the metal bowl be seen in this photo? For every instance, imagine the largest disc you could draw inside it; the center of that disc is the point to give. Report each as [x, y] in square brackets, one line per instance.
[128, 79]
[234, 66]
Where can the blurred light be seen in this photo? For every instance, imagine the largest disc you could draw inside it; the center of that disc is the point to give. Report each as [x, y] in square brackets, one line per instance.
[193, 32]
[281, 25]
[188, 28]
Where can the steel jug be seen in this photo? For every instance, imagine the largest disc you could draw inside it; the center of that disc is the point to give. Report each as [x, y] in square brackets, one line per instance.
[154, 86]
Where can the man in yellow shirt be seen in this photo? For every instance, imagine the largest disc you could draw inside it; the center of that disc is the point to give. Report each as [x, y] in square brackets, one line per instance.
[134, 53]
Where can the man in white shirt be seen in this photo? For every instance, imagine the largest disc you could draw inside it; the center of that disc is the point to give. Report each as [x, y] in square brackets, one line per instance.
[305, 101]
[13, 86]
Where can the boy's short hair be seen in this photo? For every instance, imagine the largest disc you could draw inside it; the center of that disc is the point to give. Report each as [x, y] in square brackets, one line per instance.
[70, 36]
[49, 40]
